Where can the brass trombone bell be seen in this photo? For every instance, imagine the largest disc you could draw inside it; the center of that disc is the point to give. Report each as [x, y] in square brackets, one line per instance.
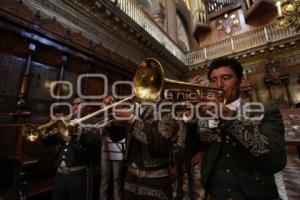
[32, 133]
[150, 83]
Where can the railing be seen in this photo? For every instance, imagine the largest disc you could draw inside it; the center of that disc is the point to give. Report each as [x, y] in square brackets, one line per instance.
[134, 11]
[235, 44]
[218, 49]
[238, 43]
[249, 40]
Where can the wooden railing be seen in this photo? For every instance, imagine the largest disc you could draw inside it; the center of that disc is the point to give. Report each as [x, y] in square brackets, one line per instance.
[238, 43]
[134, 11]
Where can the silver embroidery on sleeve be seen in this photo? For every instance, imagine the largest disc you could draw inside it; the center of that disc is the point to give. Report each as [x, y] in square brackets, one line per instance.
[166, 126]
[181, 135]
[247, 132]
[206, 134]
[138, 132]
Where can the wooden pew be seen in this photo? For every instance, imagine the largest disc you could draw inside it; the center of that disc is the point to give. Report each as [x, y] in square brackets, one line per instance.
[31, 168]
[291, 118]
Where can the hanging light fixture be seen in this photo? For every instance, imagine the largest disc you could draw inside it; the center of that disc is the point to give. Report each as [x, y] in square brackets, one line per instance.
[288, 14]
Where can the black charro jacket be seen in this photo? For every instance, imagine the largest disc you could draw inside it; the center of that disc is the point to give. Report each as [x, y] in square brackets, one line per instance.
[259, 151]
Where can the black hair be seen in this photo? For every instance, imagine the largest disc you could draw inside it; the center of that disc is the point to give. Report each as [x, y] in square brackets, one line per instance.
[227, 62]
[76, 96]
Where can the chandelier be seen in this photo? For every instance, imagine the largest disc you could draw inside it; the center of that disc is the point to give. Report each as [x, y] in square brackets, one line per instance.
[288, 14]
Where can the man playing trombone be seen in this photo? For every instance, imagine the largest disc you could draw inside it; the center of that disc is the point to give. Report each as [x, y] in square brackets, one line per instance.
[77, 149]
[148, 153]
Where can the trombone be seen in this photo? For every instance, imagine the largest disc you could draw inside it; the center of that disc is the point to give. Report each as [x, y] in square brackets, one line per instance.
[150, 85]
[32, 133]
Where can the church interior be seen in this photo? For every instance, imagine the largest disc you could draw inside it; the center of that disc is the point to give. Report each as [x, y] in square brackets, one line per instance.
[73, 44]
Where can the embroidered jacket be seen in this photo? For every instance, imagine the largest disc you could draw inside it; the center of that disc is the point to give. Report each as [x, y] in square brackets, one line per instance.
[250, 151]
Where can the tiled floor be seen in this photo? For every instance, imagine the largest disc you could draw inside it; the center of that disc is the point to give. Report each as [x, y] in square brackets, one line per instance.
[288, 181]
[291, 179]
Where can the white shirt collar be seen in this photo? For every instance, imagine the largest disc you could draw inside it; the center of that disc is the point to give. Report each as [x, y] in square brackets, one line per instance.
[235, 104]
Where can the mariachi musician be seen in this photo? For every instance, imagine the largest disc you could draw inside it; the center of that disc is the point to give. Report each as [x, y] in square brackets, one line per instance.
[150, 140]
[148, 154]
[77, 150]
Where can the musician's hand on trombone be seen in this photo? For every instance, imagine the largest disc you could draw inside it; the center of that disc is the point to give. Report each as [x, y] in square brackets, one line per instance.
[56, 117]
[197, 80]
[217, 108]
[63, 130]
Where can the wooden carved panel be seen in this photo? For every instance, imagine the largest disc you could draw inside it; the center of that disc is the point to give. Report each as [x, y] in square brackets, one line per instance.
[77, 65]
[48, 55]
[10, 73]
[72, 78]
[13, 43]
[40, 79]
[116, 77]
[117, 57]
[94, 87]
[129, 64]
[126, 90]
[78, 38]
[53, 26]
[98, 48]
[295, 93]
[99, 70]
[16, 8]
[9, 139]
[45, 156]
[264, 97]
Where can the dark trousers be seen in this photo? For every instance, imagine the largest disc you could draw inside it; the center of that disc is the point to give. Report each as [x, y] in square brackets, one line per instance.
[137, 188]
[180, 161]
[73, 186]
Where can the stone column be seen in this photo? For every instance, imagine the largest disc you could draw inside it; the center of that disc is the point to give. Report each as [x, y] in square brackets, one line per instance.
[171, 19]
